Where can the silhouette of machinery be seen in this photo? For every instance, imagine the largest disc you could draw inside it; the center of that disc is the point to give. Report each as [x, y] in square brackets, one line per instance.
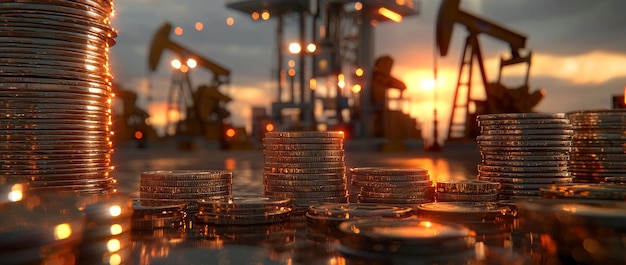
[130, 122]
[499, 98]
[204, 109]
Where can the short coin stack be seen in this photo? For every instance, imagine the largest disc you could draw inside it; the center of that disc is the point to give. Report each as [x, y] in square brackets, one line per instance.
[393, 185]
[467, 190]
[598, 145]
[524, 152]
[243, 210]
[308, 167]
[159, 188]
[55, 94]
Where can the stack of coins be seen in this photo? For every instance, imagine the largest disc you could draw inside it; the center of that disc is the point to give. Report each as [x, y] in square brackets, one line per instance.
[392, 241]
[467, 190]
[307, 167]
[243, 210]
[598, 145]
[524, 152]
[487, 219]
[55, 94]
[584, 191]
[157, 217]
[393, 185]
[161, 188]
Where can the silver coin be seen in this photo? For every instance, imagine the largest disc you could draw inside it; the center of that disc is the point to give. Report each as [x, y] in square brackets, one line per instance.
[244, 219]
[398, 195]
[525, 163]
[185, 183]
[182, 196]
[186, 175]
[321, 176]
[304, 165]
[304, 153]
[546, 126]
[383, 171]
[528, 180]
[405, 190]
[519, 116]
[522, 121]
[244, 203]
[347, 211]
[582, 150]
[271, 141]
[317, 194]
[467, 186]
[399, 184]
[597, 157]
[305, 134]
[529, 132]
[318, 188]
[390, 178]
[538, 137]
[300, 147]
[184, 190]
[304, 159]
[513, 158]
[464, 197]
[484, 168]
[297, 183]
[545, 143]
[321, 170]
[553, 174]
[495, 149]
[362, 199]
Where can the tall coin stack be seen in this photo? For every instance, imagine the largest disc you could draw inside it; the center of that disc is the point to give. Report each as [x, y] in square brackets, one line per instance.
[55, 94]
[524, 152]
[598, 145]
[393, 185]
[308, 167]
[161, 188]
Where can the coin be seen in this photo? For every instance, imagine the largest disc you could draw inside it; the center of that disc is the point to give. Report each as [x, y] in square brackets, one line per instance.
[553, 174]
[304, 159]
[305, 134]
[523, 163]
[518, 116]
[399, 184]
[417, 200]
[467, 186]
[322, 170]
[524, 157]
[187, 175]
[382, 171]
[304, 177]
[317, 188]
[486, 168]
[465, 197]
[302, 166]
[390, 178]
[244, 219]
[535, 126]
[303, 153]
[309, 195]
[297, 183]
[331, 141]
[463, 211]
[528, 180]
[529, 132]
[300, 147]
[530, 137]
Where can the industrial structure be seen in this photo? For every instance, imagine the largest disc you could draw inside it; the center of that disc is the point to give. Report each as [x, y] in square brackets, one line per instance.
[499, 98]
[201, 111]
[333, 66]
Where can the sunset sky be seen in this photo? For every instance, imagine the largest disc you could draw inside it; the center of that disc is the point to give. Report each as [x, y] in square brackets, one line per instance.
[578, 46]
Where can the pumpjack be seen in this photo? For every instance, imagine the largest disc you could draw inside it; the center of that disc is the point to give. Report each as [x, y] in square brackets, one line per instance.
[204, 109]
[499, 98]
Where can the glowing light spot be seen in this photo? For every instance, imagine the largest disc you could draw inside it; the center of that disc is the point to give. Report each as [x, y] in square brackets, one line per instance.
[16, 195]
[184, 68]
[312, 83]
[138, 135]
[62, 231]
[291, 63]
[115, 259]
[178, 31]
[192, 63]
[176, 64]
[265, 15]
[393, 16]
[311, 48]
[113, 245]
[358, 6]
[115, 210]
[269, 127]
[199, 26]
[358, 72]
[230, 21]
[356, 88]
[116, 229]
[295, 48]
[255, 15]
[291, 72]
[230, 132]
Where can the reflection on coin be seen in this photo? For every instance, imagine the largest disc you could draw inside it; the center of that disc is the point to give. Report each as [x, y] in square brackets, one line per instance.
[305, 134]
